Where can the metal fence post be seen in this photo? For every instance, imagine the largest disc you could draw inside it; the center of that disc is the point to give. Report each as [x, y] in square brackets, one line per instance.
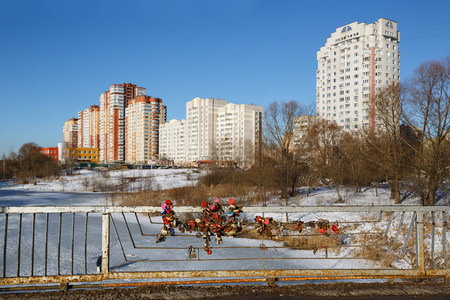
[105, 243]
[421, 248]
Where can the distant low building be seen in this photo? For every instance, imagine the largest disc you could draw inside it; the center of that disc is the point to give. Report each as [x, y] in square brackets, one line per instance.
[51, 152]
[83, 155]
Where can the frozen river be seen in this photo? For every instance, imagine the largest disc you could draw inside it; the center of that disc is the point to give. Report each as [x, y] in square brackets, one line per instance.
[15, 197]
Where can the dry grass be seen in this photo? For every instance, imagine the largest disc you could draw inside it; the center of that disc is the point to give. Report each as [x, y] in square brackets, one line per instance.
[312, 241]
[374, 247]
[188, 196]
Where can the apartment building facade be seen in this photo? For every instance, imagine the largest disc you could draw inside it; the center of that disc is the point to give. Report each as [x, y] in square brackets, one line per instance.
[112, 120]
[70, 132]
[214, 130]
[82, 154]
[143, 117]
[239, 132]
[201, 116]
[51, 152]
[89, 127]
[303, 124]
[355, 63]
[172, 141]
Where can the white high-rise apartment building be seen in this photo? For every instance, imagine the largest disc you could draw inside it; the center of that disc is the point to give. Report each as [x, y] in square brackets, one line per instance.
[172, 141]
[201, 116]
[239, 132]
[214, 130]
[356, 62]
[143, 117]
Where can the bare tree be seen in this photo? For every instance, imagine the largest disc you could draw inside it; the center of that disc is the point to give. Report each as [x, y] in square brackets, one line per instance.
[303, 151]
[325, 139]
[262, 171]
[387, 143]
[279, 121]
[428, 109]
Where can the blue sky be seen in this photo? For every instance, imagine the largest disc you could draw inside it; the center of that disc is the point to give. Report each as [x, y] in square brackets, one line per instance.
[57, 57]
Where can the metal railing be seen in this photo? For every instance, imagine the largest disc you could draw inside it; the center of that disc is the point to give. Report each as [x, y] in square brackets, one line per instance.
[60, 246]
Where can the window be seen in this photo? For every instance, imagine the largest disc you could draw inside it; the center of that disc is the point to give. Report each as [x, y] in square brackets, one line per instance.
[346, 28]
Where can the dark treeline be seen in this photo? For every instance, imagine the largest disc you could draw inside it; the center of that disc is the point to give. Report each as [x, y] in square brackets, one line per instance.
[28, 164]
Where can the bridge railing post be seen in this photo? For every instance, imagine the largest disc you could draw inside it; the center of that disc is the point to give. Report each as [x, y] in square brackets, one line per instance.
[420, 243]
[105, 243]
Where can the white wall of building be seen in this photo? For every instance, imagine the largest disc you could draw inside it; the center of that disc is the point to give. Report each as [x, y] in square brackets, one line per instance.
[201, 115]
[356, 61]
[213, 130]
[239, 130]
[172, 141]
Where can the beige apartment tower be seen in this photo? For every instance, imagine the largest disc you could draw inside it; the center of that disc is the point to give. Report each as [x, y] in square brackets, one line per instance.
[143, 116]
[89, 127]
[355, 63]
[70, 133]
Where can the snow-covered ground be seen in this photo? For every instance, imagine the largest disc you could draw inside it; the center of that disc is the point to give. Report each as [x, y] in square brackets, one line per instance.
[83, 180]
[144, 255]
[84, 188]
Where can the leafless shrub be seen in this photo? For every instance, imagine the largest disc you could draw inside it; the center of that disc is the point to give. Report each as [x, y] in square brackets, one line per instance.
[189, 196]
[105, 174]
[86, 182]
